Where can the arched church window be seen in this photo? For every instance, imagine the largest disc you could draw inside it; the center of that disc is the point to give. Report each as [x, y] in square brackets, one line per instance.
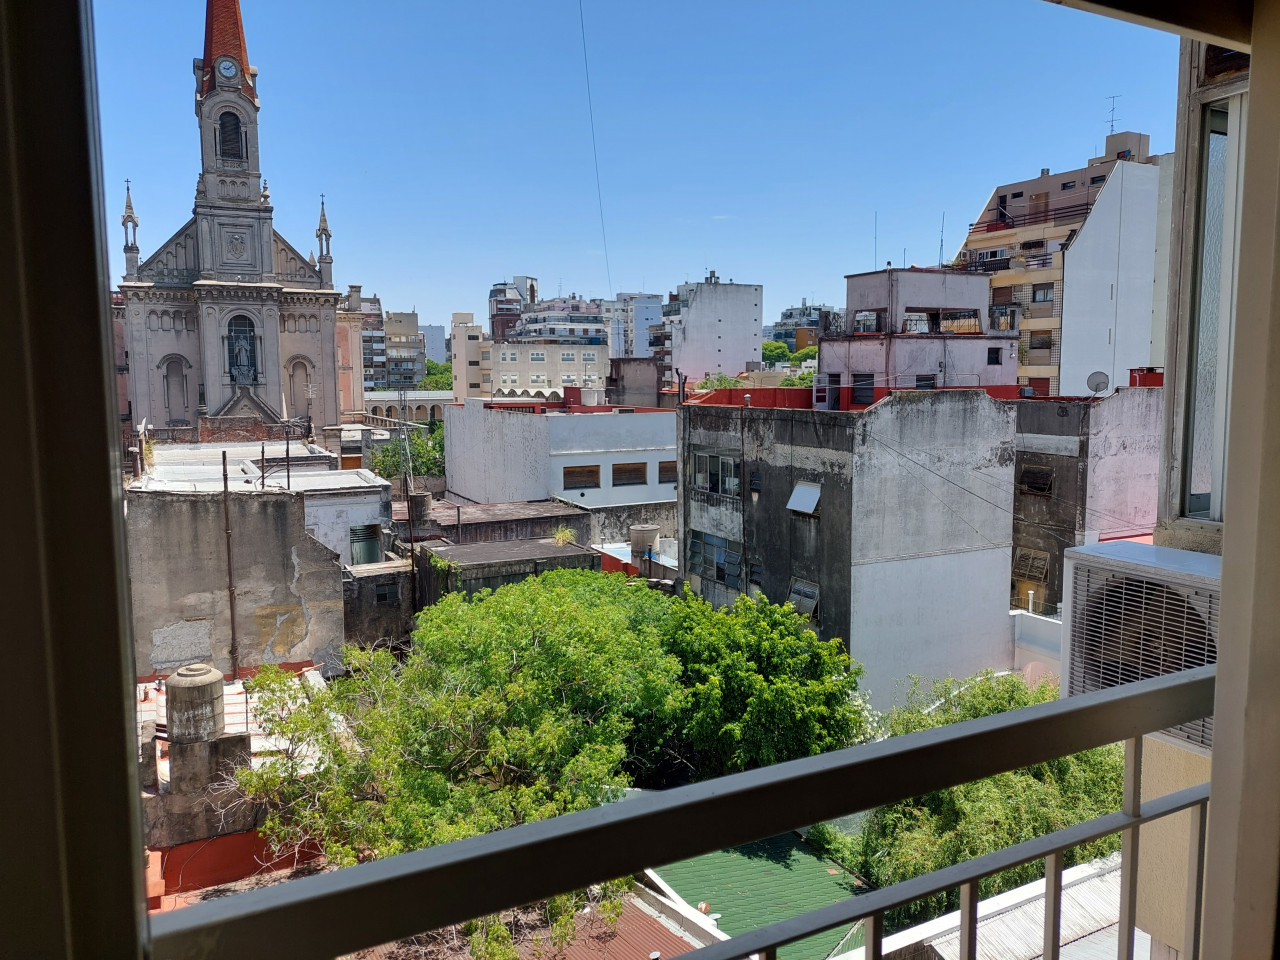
[242, 350]
[229, 145]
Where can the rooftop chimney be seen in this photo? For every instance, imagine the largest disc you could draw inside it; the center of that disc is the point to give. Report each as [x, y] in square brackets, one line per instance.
[1044, 171]
[353, 296]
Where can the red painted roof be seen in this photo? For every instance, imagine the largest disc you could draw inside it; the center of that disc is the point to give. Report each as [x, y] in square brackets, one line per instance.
[638, 935]
[224, 37]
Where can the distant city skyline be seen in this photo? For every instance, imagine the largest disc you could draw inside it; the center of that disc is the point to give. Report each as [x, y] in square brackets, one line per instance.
[786, 148]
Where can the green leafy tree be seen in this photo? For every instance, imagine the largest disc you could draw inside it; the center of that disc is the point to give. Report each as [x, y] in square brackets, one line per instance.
[923, 834]
[510, 707]
[426, 454]
[762, 687]
[808, 353]
[774, 351]
[805, 379]
[718, 381]
[439, 376]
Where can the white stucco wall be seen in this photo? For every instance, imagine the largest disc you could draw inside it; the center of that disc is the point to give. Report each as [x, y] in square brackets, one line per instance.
[1108, 282]
[719, 330]
[494, 456]
[497, 456]
[605, 439]
[1125, 432]
[330, 517]
[932, 531]
[896, 361]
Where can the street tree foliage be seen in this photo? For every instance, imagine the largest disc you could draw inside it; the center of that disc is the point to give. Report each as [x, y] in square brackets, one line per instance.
[804, 379]
[808, 353]
[774, 351]
[543, 697]
[426, 453]
[718, 381]
[922, 834]
[439, 376]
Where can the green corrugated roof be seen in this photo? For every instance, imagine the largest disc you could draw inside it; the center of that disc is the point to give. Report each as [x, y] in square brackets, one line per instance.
[763, 882]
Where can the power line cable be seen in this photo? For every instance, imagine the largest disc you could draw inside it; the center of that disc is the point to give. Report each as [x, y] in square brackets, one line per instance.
[595, 156]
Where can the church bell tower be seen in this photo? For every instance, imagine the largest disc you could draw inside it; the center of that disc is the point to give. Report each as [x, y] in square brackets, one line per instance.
[232, 214]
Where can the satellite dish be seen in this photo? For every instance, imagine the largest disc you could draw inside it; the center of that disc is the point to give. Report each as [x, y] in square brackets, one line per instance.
[1098, 381]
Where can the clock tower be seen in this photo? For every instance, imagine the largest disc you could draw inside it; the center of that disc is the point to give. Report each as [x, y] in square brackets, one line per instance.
[232, 214]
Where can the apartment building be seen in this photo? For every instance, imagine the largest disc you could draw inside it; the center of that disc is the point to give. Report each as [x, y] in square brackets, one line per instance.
[373, 337]
[917, 328]
[708, 327]
[1072, 256]
[879, 522]
[435, 342]
[545, 369]
[798, 327]
[471, 355]
[624, 471]
[624, 315]
[406, 351]
[508, 299]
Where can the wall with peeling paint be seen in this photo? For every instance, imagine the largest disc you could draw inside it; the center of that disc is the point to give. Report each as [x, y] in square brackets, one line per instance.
[288, 585]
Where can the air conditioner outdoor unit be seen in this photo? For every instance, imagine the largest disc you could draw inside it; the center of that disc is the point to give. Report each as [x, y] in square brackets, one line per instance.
[1131, 611]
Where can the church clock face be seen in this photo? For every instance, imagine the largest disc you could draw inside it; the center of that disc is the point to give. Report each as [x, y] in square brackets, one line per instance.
[227, 68]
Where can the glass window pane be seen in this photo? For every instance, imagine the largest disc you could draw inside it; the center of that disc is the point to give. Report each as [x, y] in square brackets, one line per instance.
[1204, 358]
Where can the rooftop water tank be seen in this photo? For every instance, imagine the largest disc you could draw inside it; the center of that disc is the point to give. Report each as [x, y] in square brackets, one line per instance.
[194, 709]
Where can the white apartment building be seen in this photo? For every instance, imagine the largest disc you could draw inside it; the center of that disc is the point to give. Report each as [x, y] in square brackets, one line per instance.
[709, 327]
[626, 314]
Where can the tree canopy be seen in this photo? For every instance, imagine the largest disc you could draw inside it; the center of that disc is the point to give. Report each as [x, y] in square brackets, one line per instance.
[426, 454]
[923, 834]
[546, 696]
[808, 353]
[774, 351]
[439, 376]
[805, 379]
[718, 381]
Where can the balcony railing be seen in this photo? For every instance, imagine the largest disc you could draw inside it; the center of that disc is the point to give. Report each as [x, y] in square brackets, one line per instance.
[1007, 221]
[345, 910]
[673, 308]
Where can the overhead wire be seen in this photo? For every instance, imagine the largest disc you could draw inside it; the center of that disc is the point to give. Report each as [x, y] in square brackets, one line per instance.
[595, 156]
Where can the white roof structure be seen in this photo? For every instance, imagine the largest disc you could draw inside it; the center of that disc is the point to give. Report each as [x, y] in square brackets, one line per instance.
[1011, 925]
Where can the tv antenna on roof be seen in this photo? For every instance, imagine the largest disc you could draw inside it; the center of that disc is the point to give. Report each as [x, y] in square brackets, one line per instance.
[1112, 120]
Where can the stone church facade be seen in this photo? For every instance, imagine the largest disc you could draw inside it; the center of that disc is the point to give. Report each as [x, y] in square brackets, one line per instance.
[227, 318]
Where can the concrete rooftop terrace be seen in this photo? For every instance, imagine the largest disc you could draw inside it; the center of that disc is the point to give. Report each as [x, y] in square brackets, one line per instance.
[499, 551]
[447, 513]
[243, 477]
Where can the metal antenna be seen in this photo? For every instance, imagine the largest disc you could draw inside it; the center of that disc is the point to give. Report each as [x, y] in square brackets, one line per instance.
[1113, 117]
[942, 235]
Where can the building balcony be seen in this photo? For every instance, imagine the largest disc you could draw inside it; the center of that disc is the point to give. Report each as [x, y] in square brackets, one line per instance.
[401, 896]
[1069, 213]
[673, 308]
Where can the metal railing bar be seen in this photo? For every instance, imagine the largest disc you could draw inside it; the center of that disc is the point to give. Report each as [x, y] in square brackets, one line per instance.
[1129, 850]
[948, 878]
[1052, 906]
[400, 896]
[1195, 882]
[969, 897]
[873, 937]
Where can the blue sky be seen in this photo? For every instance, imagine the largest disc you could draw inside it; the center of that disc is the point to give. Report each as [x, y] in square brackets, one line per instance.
[761, 140]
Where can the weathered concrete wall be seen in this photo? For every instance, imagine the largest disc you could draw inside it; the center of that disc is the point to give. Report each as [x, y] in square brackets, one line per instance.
[719, 330]
[932, 528]
[332, 514]
[369, 621]
[288, 585]
[1125, 432]
[1051, 436]
[613, 524]
[896, 361]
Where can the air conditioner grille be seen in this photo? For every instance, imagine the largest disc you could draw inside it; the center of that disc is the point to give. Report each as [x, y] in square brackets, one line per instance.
[1126, 628]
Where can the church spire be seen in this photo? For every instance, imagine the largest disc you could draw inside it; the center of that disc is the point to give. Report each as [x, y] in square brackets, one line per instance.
[130, 239]
[326, 251]
[224, 38]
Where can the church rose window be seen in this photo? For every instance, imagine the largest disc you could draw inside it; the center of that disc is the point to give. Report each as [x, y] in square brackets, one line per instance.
[242, 351]
[229, 136]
